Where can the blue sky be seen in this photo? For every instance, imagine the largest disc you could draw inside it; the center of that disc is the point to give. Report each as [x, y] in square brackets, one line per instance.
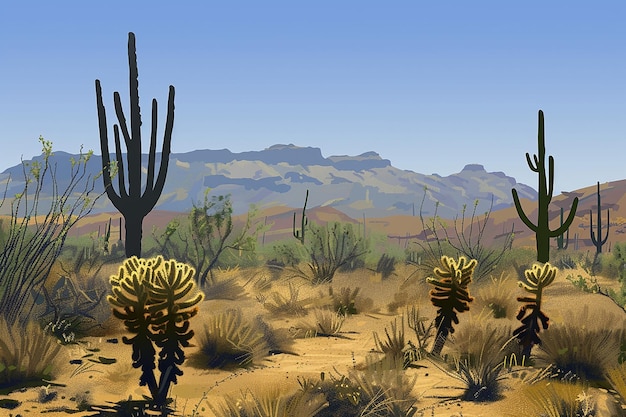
[431, 86]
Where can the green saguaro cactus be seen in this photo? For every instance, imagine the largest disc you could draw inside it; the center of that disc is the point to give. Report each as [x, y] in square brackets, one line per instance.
[155, 299]
[542, 230]
[132, 203]
[596, 238]
[450, 295]
[537, 279]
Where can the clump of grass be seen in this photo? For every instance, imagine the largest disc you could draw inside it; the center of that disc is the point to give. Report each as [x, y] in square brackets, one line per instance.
[383, 389]
[574, 348]
[478, 357]
[344, 302]
[230, 341]
[287, 306]
[423, 332]
[496, 296]
[558, 399]
[616, 376]
[326, 323]
[387, 389]
[26, 355]
[271, 404]
[395, 347]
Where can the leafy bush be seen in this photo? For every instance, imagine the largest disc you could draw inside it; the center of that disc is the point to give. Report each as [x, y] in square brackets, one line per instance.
[590, 285]
[329, 248]
[35, 232]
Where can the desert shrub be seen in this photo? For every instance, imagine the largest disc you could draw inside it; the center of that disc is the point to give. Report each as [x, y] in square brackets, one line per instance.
[576, 349]
[517, 258]
[230, 341]
[478, 356]
[564, 259]
[287, 252]
[465, 237]
[387, 389]
[26, 355]
[589, 285]
[609, 265]
[496, 296]
[271, 404]
[330, 248]
[380, 390]
[325, 323]
[616, 375]
[344, 302]
[208, 238]
[395, 347]
[290, 305]
[386, 266]
[224, 285]
[558, 399]
[37, 225]
[73, 309]
[423, 332]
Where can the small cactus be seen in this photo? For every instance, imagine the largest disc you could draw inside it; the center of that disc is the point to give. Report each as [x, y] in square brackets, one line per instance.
[155, 299]
[537, 279]
[299, 234]
[450, 295]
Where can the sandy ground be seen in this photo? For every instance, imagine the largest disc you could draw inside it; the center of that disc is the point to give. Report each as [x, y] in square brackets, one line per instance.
[102, 385]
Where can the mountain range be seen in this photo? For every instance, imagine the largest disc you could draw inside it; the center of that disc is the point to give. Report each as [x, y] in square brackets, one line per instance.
[362, 185]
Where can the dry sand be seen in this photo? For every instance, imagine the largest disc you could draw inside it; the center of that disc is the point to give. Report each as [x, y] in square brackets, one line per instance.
[436, 390]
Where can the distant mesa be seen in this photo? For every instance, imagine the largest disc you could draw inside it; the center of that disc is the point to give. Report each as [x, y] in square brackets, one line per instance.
[473, 167]
[280, 175]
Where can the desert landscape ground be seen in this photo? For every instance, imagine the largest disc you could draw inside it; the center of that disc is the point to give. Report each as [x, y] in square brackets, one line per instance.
[270, 342]
[345, 352]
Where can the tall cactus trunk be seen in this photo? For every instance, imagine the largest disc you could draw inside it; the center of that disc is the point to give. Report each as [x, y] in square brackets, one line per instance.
[542, 230]
[132, 203]
[596, 238]
[133, 227]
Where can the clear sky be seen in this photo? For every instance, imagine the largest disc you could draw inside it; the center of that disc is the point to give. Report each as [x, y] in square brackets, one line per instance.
[430, 85]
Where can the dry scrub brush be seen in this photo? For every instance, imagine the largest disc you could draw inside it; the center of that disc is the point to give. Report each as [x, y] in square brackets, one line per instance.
[27, 355]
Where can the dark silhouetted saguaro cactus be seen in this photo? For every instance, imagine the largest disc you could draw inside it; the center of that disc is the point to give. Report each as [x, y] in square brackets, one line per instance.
[132, 203]
[537, 279]
[156, 299]
[542, 228]
[303, 222]
[562, 241]
[596, 238]
[450, 295]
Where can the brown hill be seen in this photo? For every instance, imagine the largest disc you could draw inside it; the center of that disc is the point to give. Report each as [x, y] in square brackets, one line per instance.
[403, 229]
